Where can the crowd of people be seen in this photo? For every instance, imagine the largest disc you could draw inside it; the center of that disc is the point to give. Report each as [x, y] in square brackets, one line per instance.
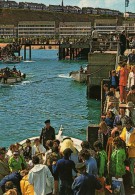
[7, 72]
[9, 50]
[47, 166]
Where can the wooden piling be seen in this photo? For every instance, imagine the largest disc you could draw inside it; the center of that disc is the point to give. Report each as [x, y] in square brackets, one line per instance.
[24, 52]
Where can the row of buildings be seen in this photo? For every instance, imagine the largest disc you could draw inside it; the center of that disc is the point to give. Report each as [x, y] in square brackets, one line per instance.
[62, 8]
[65, 29]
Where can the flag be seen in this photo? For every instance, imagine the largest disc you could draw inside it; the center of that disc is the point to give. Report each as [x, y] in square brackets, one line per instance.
[126, 3]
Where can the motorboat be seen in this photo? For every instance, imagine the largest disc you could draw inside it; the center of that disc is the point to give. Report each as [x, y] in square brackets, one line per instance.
[60, 137]
[80, 76]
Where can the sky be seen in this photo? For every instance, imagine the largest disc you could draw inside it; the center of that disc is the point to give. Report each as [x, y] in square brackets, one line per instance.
[111, 4]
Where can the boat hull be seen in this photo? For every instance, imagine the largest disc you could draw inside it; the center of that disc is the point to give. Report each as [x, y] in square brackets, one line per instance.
[78, 76]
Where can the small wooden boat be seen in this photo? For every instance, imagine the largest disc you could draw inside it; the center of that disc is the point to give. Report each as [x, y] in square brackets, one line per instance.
[12, 80]
[12, 60]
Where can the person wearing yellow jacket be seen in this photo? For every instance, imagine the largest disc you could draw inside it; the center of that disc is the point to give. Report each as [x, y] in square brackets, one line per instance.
[26, 187]
[128, 135]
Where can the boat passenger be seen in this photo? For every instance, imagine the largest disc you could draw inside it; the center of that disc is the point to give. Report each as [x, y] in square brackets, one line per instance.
[27, 151]
[85, 183]
[49, 145]
[16, 162]
[4, 169]
[81, 69]
[11, 192]
[63, 168]
[14, 177]
[14, 69]
[47, 133]
[26, 187]
[38, 149]
[10, 186]
[41, 178]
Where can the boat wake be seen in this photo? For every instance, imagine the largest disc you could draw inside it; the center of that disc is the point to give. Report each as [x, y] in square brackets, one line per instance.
[25, 82]
[28, 61]
[64, 76]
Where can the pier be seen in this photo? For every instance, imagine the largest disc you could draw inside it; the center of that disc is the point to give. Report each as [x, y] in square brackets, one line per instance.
[72, 51]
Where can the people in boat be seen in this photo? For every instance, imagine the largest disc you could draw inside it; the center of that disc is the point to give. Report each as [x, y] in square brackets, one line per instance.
[38, 149]
[4, 169]
[63, 168]
[85, 183]
[27, 151]
[47, 133]
[16, 162]
[41, 178]
[26, 187]
[81, 69]
[14, 69]
[14, 177]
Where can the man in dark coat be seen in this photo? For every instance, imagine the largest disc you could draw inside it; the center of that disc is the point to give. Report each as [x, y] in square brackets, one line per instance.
[85, 184]
[48, 133]
[63, 169]
[123, 42]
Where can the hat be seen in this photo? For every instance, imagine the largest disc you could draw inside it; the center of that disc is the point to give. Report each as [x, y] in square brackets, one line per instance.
[67, 151]
[16, 152]
[130, 105]
[80, 165]
[47, 121]
[66, 138]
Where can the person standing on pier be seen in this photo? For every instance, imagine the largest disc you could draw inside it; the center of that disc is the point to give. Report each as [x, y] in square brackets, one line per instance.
[48, 133]
[123, 42]
[94, 35]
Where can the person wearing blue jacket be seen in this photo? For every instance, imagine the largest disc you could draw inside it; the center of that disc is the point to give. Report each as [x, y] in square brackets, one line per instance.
[15, 177]
[85, 184]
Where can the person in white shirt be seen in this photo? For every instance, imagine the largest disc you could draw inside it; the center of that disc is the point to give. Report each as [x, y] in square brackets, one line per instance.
[95, 35]
[38, 149]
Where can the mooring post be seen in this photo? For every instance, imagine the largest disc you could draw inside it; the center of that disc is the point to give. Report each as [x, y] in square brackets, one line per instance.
[24, 52]
[30, 52]
[63, 56]
[70, 52]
